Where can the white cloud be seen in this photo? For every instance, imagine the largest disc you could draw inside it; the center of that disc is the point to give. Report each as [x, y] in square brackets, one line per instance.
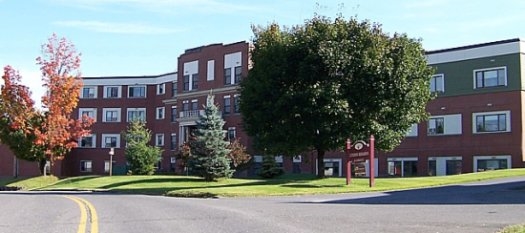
[122, 28]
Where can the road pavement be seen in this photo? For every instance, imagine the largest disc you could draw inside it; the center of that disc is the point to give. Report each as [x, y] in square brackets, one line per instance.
[476, 207]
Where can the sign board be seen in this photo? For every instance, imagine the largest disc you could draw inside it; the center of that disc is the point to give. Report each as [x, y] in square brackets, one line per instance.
[359, 149]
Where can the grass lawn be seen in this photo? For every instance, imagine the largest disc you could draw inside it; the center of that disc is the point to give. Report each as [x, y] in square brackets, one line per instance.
[285, 185]
[514, 229]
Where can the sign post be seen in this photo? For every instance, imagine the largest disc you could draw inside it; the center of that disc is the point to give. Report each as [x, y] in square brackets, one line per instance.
[360, 151]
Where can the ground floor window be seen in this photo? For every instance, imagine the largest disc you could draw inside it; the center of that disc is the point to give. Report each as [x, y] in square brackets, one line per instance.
[86, 166]
[440, 166]
[402, 167]
[487, 163]
[332, 167]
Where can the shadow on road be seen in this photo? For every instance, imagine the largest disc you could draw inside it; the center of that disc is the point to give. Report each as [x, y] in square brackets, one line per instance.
[483, 193]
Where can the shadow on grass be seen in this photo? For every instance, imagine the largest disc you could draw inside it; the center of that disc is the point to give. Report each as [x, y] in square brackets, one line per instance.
[75, 179]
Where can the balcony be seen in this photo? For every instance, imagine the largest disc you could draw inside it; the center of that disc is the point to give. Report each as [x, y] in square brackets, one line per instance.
[192, 115]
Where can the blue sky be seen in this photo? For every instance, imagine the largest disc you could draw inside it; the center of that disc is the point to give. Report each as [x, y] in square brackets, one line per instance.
[145, 37]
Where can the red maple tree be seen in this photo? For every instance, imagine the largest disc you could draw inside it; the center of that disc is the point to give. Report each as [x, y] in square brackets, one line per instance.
[61, 76]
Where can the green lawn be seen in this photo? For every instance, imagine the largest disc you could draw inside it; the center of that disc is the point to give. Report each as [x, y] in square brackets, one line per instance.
[285, 185]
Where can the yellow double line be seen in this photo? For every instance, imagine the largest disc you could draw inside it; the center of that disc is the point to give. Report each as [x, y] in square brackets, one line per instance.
[87, 214]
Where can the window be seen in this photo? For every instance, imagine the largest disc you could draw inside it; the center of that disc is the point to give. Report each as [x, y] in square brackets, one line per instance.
[110, 140]
[88, 141]
[436, 126]
[173, 113]
[231, 134]
[492, 122]
[86, 166]
[487, 163]
[194, 105]
[112, 91]
[106, 165]
[137, 114]
[173, 140]
[211, 70]
[161, 89]
[195, 82]
[89, 112]
[227, 105]
[159, 139]
[491, 77]
[437, 83]
[174, 89]
[88, 92]
[185, 105]
[412, 132]
[227, 76]
[186, 82]
[111, 115]
[236, 102]
[238, 72]
[160, 113]
[137, 92]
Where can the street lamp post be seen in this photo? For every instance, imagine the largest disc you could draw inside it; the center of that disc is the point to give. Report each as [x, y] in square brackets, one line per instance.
[111, 153]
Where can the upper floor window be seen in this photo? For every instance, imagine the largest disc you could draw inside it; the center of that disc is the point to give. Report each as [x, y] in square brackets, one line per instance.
[491, 77]
[436, 126]
[137, 114]
[160, 113]
[89, 112]
[161, 89]
[112, 91]
[195, 82]
[89, 92]
[227, 105]
[137, 92]
[238, 73]
[159, 139]
[412, 132]
[491, 122]
[173, 141]
[88, 141]
[236, 103]
[191, 75]
[110, 140]
[437, 83]
[227, 76]
[173, 113]
[111, 115]
[173, 89]
[445, 125]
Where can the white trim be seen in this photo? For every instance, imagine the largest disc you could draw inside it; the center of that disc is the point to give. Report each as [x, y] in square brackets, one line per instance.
[339, 161]
[105, 110]
[393, 159]
[157, 142]
[138, 97]
[484, 157]
[211, 70]
[474, 79]
[117, 81]
[161, 91]
[507, 121]
[104, 136]
[119, 92]
[298, 159]
[95, 91]
[94, 140]
[478, 52]
[163, 113]
[93, 110]
[135, 109]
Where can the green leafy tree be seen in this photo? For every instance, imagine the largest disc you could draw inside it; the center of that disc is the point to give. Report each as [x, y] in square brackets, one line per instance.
[269, 167]
[209, 151]
[315, 85]
[141, 156]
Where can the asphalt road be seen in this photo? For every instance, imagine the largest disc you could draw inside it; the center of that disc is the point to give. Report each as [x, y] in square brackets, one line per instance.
[476, 207]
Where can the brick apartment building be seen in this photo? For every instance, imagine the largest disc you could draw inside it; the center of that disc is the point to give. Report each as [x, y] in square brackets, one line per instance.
[475, 124]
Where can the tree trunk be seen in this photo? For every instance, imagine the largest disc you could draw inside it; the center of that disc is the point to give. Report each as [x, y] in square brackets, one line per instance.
[42, 166]
[320, 163]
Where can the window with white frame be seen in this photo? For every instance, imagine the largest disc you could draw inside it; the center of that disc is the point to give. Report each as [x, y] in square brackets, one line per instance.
[437, 83]
[194, 104]
[412, 132]
[86, 166]
[444, 125]
[226, 105]
[211, 70]
[174, 89]
[232, 68]
[111, 114]
[227, 76]
[88, 92]
[106, 165]
[88, 141]
[111, 140]
[160, 113]
[136, 114]
[238, 74]
[191, 75]
[88, 112]
[491, 122]
[159, 139]
[174, 113]
[161, 89]
[436, 126]
[111, 92]
[137, 92]
[491, 77]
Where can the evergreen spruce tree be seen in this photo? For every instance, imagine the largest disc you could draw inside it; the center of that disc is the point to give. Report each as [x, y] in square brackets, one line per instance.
[209, 151]
[269, 167]
[141, 157]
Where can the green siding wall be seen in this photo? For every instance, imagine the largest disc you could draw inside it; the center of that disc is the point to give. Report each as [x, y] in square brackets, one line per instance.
[459, 76]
